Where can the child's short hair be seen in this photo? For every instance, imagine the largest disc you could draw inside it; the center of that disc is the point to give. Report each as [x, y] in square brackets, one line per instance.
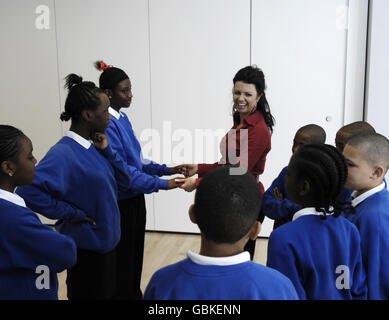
[373, 147]
[227, 206]
[358, 127]
[110, 76]
[317, 133]
[325, 168]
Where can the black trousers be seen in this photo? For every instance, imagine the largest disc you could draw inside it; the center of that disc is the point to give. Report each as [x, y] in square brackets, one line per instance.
[129, 251]
[93, 277]
[250, 245]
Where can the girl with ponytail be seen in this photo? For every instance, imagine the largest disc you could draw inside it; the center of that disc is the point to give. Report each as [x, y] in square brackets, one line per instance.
[77, 183]
[145, 175]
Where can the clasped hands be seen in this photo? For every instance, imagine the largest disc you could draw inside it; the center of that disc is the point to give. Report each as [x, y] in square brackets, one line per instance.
[188, 170]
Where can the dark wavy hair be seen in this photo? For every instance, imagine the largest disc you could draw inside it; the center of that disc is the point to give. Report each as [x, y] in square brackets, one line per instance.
[254, 75]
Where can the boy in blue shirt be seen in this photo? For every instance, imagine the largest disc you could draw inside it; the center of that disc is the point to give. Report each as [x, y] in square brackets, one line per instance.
[367, 158]
[226, 208]
[276, 204]
[318, 251]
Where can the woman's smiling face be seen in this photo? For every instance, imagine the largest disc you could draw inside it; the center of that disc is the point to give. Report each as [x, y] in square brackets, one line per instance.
[245, 97]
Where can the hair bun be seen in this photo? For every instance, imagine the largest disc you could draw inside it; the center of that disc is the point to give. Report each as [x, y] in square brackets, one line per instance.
[64, 116]
[101, 65]
[72, 80]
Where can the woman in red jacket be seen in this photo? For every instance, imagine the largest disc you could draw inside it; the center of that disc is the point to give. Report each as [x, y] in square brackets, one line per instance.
[248, 142]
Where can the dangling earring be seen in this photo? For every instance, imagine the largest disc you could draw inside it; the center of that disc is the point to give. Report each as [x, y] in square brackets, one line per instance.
[10, 173]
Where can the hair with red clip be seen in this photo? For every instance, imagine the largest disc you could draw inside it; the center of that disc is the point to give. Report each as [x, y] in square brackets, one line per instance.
[101, 66]
[110, 76]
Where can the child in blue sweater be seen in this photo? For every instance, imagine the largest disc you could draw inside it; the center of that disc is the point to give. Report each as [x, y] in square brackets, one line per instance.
[275, 204]
[226, 208]
[28, 248]
[77, 183]
[367, 157]
[145, 177]
[318, 251]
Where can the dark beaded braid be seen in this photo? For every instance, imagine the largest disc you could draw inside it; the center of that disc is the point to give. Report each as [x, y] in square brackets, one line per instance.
[326, 170]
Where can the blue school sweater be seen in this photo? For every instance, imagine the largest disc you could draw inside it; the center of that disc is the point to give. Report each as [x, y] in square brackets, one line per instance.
[72, 182]
[144, 177]
[187, 280]
[372, 221]
[321, 257]
[284, 208]
[26, 244]
[278, 209]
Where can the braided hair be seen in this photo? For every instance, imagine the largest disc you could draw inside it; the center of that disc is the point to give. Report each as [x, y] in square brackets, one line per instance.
[325, 168]
[83, 95]
[254, 75]
[9, 142]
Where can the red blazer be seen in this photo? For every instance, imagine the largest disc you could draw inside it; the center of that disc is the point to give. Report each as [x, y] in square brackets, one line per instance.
[248, 148]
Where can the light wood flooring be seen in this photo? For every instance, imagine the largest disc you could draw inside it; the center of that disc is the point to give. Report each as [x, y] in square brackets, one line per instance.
[162, 249]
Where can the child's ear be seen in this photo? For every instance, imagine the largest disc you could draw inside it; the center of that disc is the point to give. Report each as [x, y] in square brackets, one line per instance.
[192, 214]
[255, 230]
[8, 168]
[305, 188]
[87, 115]
[378, 172]
[108, 92]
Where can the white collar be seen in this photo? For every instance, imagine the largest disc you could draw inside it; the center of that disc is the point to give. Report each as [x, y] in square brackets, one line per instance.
[218, 261]
[12, 197]
[113, 112]
[366, 194]
[307, 211]
[80, 140]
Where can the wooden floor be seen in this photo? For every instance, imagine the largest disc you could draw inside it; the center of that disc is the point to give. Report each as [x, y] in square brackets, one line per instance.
[162, 249]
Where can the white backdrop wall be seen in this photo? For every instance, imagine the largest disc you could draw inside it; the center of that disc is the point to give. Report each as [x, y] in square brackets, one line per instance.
[377, 88]
[181, 56]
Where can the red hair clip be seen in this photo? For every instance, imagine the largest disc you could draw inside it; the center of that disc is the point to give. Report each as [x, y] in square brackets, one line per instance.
[103, 66]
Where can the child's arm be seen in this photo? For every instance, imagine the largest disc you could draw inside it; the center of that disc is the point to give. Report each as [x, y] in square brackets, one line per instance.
[31, 243]
[280, 257]
[275, 207]
[48, 187]
[138, 179]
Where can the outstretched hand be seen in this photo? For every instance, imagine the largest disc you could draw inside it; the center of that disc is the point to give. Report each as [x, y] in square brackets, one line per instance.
[190, 170]
[188, 184]
[181, 169]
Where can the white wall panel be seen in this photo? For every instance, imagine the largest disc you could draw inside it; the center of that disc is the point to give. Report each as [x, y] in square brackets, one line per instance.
[377, 109]
[301, 45]
[29, 87]
[197, 46]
